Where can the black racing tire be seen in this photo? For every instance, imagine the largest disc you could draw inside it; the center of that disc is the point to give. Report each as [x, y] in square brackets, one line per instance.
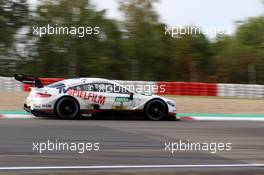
[67, 108]
[156, 110]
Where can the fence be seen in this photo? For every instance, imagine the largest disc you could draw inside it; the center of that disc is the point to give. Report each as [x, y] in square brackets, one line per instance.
[10, 84]
[168, 88]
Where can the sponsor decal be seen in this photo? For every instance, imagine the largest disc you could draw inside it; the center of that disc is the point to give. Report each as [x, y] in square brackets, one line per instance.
[92, 97]
[119, 107]
[121, 99]
[46, 106]
[62, 89]
[36, 106]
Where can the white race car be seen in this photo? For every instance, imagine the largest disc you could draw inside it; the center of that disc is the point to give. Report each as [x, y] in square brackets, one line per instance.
[71, 98]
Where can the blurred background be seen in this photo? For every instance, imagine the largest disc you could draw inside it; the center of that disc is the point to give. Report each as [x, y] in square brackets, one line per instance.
[133, 46]
[211, 77]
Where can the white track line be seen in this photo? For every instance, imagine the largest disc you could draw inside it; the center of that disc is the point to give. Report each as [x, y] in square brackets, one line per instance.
[16, 116]
[227, 118]
[131, 166]
[200, 118]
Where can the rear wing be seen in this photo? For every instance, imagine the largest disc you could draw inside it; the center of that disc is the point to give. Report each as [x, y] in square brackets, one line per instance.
[28, 80]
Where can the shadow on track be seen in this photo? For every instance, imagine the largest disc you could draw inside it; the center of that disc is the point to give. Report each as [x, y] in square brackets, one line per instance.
[111, 116]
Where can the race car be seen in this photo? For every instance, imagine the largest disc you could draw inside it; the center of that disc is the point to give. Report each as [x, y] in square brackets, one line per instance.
[72, 98]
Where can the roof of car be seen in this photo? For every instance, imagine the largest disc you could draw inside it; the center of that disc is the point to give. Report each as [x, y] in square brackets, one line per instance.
[76, 81]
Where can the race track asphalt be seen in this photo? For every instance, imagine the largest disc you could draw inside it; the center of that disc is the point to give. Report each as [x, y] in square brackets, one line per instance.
[130, 142]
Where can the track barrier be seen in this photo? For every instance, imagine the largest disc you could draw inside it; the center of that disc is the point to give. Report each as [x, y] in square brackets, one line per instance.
[168, 88]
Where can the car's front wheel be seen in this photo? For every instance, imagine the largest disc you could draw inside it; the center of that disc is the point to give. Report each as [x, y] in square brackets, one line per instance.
[67, 108]
[156, 110]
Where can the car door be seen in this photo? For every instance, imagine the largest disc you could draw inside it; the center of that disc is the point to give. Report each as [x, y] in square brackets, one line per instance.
[104, 97]
[122, 99]
[85, 95]
[116, 97]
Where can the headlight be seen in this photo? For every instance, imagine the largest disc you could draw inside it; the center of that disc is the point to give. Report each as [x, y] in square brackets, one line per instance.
[171, 103]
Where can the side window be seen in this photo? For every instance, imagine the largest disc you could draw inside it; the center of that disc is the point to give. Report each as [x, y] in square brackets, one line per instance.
[88, 87]
[120, 89]
[109, 88]
[83, 87]
[100, 87]
[78, 88]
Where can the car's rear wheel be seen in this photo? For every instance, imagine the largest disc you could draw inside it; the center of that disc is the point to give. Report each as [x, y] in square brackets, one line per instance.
[67, 108]
[156, 110]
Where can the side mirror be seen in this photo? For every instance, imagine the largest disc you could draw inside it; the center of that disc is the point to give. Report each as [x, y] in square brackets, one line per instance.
[131, 95]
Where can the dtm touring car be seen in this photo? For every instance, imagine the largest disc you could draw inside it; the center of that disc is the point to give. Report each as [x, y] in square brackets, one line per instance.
[72, 98]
